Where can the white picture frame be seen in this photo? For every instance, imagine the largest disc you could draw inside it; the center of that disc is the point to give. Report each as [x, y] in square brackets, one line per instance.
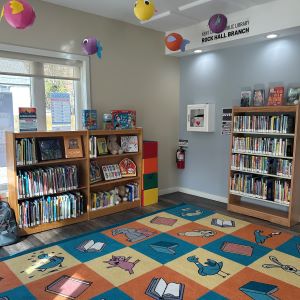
[201, 117]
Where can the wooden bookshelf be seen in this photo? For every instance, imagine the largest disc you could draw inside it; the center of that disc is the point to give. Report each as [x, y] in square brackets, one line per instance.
[85, 186]
[106, 185]
[283, 213]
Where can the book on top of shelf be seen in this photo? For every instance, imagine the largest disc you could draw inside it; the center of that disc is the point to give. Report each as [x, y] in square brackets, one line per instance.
[246, 98]
[27, 119]
[102, 146]
[129, 144]
[89, 119]
[259, 97]
[293, 96]
[50, 149]
[276, 95]
[124, 119]
[73, 147]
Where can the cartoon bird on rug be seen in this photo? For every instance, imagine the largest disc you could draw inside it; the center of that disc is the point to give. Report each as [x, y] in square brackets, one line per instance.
[260, 238]
[212, 267]
[53, 261]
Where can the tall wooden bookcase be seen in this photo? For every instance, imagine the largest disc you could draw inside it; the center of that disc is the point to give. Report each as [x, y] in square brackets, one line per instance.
[83, 165]
[286, 214]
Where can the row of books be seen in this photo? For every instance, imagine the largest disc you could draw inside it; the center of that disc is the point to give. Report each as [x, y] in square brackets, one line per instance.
[263, 188]
[25, 151]
[263, 165]
[267, 124]
[45, 181]
[50, 209]
[267, 146]
[106, 199]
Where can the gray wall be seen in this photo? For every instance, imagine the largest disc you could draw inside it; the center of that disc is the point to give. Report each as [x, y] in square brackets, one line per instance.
[134, 72]
[218, 77]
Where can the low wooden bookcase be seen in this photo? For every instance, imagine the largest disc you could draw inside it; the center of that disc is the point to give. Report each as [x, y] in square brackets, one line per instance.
[85, 187]
[251, 178]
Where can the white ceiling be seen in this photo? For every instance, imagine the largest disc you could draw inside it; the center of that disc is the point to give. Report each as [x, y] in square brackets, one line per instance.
[171, 14]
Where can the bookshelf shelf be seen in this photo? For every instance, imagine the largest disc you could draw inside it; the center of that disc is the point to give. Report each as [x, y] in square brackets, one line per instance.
[261, 174]
[83, 170]
[241, 182]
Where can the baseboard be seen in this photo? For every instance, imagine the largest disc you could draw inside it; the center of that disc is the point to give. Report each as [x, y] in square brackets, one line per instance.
[169, 190]
[203, 195]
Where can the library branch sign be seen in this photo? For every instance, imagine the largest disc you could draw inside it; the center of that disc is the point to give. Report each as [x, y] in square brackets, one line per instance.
[233, 30]
[60, 111]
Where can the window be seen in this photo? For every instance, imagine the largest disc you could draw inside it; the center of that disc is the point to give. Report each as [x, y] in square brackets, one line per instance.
[55, 83]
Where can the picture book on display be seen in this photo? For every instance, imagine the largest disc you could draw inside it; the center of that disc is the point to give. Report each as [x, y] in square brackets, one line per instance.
[95, 172]
[111, 172]
[89, 119]
[129, 143]
[127, 167]
[73, 147]
[123, 119]
[102, 146]
[246, 98]
[27, 119]
[50, 149]
[259, 97]
[293, 96]
[159, 289]
[276, 95]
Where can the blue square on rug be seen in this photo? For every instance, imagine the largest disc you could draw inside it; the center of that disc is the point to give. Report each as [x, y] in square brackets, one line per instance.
[236, 249]
[18, 293]
[91, 246]
[114, 294]
[212, 296]
[291, 247]
[190, 212]
[164, 248]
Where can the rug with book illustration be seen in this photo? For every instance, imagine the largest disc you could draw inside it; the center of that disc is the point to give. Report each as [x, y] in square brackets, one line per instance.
[184, 252]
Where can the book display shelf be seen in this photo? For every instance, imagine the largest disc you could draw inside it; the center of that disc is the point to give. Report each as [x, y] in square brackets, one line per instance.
[265, 163]
[49, 181]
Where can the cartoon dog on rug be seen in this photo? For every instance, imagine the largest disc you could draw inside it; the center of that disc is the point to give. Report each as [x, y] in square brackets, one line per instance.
[122, 262]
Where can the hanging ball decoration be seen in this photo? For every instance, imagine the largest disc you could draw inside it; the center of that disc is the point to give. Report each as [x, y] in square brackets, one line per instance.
[144, 9]
[18, 13]
[217, 23]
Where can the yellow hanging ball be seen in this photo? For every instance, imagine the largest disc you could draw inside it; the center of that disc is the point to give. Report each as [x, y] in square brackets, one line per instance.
[144, 9]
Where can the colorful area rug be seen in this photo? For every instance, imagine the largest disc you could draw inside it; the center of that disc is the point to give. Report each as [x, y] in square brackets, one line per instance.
[180, 253]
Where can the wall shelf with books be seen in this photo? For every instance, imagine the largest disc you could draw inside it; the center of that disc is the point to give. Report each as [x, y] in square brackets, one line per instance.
[121, 169]
[265, 163]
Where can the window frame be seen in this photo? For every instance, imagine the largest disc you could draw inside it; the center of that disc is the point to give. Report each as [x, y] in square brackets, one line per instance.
[84, 86]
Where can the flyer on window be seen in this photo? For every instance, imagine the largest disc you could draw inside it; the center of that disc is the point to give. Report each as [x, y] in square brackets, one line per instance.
[27, 119]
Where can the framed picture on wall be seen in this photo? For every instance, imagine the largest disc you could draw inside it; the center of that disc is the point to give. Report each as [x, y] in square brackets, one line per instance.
[201, 117]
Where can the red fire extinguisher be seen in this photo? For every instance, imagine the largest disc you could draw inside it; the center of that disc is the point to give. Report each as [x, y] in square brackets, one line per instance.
[180, 158]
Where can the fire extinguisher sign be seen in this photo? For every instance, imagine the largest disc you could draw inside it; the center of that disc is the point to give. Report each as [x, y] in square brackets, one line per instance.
[183, 143]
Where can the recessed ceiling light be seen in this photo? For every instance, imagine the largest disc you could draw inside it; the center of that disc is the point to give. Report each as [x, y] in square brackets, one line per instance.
[272, 36]
[198, 51]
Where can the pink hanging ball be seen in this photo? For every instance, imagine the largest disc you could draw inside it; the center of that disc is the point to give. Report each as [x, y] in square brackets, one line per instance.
[19, 14]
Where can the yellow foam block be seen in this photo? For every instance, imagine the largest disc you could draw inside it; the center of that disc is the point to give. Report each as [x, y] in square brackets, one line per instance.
[150, 196]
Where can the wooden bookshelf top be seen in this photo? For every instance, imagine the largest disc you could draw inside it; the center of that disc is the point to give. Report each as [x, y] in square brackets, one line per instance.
[137, 130]
[47, 134]
[265, 109]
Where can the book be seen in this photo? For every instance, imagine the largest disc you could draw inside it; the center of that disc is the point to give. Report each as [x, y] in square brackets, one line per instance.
[73, 147]
[90, 246]
[163, 221]
[276, 96]
[293, 96]
[95, 171]
[237, 249]
[69, 287]
[164, 247]
[222, 223]
[123, 119]
[159, 289]
[259, 97]
[127, 168]
[89, 119]
[102, 146]
[111, 172]
[49, 149]
[259, 290]
[246, 98]
[27, 119]
[129, 143]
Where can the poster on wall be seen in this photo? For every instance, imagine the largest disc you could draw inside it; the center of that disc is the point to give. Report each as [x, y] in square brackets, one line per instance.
[60, 111]
[7, 122]
[226, 121]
